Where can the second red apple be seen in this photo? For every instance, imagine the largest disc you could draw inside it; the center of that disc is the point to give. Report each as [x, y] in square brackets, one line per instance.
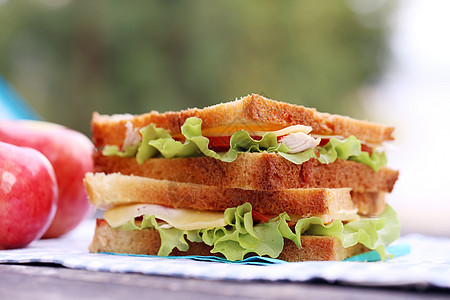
[70, 154]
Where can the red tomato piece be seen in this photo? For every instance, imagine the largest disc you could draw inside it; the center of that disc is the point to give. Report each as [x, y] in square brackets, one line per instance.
[260, 217]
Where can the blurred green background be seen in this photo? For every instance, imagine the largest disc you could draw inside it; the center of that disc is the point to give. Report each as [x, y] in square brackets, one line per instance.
[70, 58]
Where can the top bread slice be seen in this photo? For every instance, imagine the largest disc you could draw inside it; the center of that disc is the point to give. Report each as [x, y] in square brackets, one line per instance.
[252, 110]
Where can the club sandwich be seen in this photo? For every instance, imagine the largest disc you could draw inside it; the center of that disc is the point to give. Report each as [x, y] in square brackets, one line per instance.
[249, 177]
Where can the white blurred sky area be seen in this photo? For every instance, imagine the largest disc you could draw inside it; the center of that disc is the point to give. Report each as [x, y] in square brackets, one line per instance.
[414, 96]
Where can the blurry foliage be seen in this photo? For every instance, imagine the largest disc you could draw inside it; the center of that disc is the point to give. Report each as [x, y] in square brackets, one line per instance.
[69, 58]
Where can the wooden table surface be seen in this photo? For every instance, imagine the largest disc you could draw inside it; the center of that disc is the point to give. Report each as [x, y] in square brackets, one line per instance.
[53, 282]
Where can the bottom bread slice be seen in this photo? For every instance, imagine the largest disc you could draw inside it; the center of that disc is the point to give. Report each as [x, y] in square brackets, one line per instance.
[147, 241]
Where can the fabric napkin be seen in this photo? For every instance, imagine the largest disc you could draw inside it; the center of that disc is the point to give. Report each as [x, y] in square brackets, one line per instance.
[428, 263]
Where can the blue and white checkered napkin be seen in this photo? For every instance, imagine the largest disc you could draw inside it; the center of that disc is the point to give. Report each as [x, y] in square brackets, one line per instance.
[428, 263]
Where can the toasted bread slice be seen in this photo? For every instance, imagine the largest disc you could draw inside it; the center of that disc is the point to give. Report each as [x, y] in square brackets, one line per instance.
[253, 111]
[259, 171]
[114, 189]
[369, 203]
[148, 242]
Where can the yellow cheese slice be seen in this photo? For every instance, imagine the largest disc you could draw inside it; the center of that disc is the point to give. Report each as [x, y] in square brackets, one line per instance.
[285, 131]
[185, 219]
[344, 215]
[191, 219]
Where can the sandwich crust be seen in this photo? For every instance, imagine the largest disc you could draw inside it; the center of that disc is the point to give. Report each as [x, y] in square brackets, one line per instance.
[259, 171]
[115, 189]
[252, 109]
[148, 242]
[370, 203]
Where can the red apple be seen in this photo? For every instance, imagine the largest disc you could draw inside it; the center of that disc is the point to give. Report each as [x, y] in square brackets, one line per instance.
[70, 154]
[28, 195]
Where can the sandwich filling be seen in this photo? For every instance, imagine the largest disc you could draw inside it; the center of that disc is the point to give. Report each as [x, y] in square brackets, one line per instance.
[239, 231]
[294, 143]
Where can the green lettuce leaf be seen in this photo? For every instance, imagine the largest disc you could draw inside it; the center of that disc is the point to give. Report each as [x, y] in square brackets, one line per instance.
[374, 233]
[241, 236]
[196, 144]
[129, 151]
[150, 133]
[375, 161]
[157, 142]
[350, 149]
[171, 238]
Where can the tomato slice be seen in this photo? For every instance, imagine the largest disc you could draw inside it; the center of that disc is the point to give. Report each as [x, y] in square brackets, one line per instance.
[219, 143]
[222, 143]
[263, 218]
[366, 149]
[323, 142]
